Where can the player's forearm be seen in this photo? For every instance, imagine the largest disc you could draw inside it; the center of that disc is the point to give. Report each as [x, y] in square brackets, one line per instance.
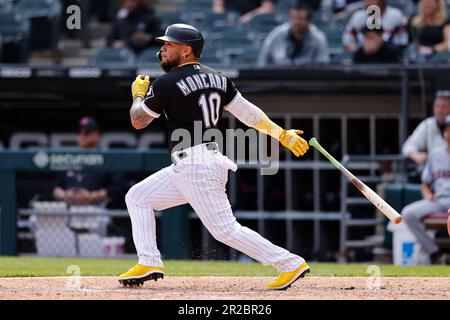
[267, 126]
[252, 116]
[139, 117]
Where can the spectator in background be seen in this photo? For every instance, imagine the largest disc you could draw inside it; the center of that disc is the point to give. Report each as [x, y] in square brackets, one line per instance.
[428, 134]
[247, 9]
[296, 42]
[135, 27]
[343, 8]
[436, 195]
[375, 49]
[430, 29]
[393, 23]
[88, 187]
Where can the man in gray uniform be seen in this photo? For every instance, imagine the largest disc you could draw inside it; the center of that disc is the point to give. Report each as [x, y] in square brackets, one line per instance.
[436, 195]
[428, 134]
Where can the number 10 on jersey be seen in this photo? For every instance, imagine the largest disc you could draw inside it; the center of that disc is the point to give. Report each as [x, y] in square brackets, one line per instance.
[210, 108]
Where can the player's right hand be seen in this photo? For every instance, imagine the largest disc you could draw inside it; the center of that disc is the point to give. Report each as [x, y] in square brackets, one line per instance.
[291, 140]
[140, 86]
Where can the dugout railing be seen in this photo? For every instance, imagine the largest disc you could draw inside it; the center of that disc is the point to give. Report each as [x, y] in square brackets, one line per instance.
[378, 172]
[13, 164]
[290, 227]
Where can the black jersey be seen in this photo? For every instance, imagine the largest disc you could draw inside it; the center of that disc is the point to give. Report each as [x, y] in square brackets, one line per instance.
[192, 97]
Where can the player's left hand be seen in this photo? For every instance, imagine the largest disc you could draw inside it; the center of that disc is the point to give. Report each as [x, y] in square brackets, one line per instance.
[140, 86]
[291, 140]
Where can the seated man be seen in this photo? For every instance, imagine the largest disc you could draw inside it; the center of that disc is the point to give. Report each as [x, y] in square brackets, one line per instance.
[436, 196]
[296, 42]
[88, 187]
[428, 134]
[375, 49]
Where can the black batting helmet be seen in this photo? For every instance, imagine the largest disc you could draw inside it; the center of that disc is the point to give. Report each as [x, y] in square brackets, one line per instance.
[184, 33]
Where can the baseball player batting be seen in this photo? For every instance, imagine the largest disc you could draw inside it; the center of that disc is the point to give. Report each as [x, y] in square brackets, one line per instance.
[190, 92]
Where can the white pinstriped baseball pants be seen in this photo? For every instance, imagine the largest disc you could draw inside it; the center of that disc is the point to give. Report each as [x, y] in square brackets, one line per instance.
[198, 179]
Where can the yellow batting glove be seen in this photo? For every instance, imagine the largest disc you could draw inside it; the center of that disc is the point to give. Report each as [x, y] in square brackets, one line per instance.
[140, 86]
[291, 140]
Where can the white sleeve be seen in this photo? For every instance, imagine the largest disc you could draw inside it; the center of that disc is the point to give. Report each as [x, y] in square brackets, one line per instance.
[417, 140]
[243, 110]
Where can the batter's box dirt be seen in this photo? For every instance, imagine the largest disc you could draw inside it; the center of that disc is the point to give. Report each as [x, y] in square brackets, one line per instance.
[217, 288]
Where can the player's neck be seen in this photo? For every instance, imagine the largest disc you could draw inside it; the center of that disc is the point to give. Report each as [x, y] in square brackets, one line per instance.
[187, 61]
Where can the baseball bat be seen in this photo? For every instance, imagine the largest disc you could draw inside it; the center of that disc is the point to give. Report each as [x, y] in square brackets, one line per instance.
[371, 195]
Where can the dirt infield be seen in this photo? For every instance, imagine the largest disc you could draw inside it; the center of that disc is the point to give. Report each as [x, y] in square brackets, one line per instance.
[217, 288]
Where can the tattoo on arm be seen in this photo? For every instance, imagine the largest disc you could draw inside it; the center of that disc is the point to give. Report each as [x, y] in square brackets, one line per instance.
[139, 118]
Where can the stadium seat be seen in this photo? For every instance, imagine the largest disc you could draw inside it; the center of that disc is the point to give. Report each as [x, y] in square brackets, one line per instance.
[44, 16]
[211, 57]
[198, 5]
[230, 39]
[436, 220]
[196, 18]
[399, 4]
[260, 28]
[6, 6]
[13, 26]
[342, 57]
[39, 8]
[317, 18]
[264, 22]
[245, 55]
[14, 31]
[216, 22]
[410, 55]
[411, 193]
[148, 56]
[171, 17]
[412, 9]
[333, 34]
[282, 6]
[113, 57]
[443, 57]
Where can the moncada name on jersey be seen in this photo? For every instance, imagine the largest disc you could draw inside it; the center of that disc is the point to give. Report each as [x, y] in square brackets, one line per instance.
[202, 81]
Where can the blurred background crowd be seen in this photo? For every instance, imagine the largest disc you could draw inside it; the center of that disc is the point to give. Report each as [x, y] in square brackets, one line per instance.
[259, 32]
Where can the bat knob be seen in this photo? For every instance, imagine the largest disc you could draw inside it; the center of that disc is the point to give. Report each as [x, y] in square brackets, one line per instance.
[313, 142]
[398, 219]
